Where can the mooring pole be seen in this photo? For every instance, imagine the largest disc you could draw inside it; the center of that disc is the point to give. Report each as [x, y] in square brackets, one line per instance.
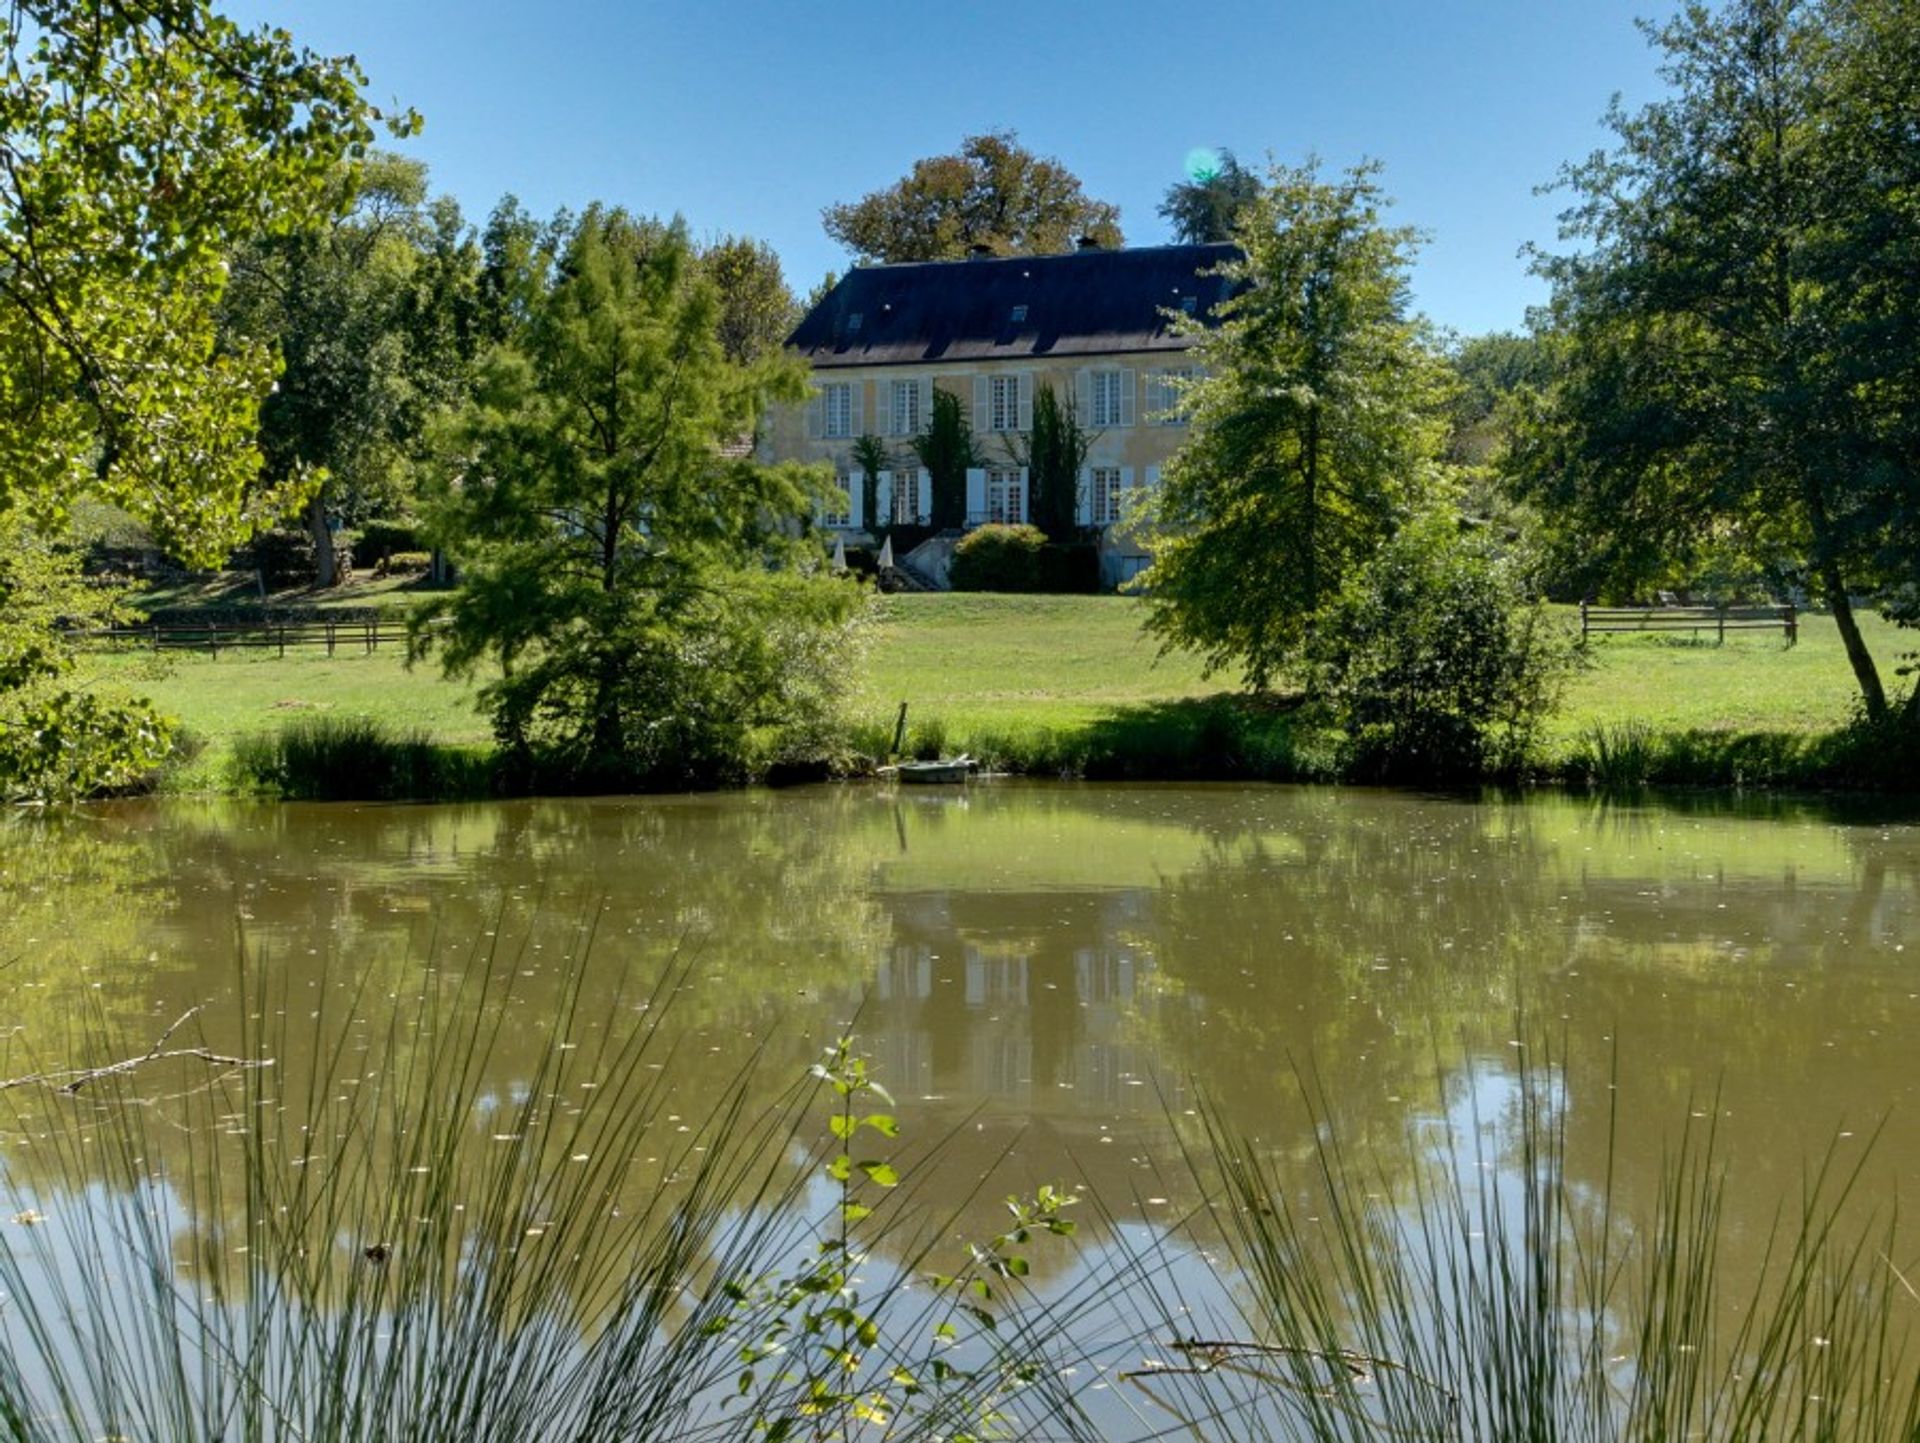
[900, 730]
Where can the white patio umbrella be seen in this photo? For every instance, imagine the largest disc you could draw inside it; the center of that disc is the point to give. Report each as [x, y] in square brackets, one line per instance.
[839, 553]
[886, 554]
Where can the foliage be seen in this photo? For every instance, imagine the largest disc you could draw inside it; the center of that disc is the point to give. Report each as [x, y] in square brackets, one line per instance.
[1054, 452]
[283, 557]
[999, 558]
[870, 457]
[369, 314]
[757, 310]
[656, 608]
[1434, 662]
[1737, 338]
[57, 742]
[355, 759]
[1211, 206]
[946, 450]
[141, 141]
[381, 538]
[1314, 428]
[993, 192]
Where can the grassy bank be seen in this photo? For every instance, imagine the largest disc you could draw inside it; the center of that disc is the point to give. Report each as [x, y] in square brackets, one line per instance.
[1070, 685]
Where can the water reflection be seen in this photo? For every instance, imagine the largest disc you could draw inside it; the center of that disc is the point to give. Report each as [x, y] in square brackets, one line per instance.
[1047, 977]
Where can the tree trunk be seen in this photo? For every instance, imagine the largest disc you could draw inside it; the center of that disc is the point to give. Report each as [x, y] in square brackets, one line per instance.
[1834, 584]
[327, 571]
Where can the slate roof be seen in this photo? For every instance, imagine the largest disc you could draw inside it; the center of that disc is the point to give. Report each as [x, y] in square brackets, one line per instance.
[1084, 303]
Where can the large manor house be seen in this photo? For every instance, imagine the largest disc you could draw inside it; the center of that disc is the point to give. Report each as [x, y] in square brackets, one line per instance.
[1095, 324]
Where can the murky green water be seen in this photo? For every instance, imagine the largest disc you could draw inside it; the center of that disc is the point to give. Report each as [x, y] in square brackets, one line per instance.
[1049, 978]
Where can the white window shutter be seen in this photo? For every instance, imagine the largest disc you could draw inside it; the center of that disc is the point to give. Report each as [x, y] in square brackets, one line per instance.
[1026, 498]
[856, 407]
[926, 402]
[1127, 494]
[1083, 396]
[1026, 402]
[924, 491]
[982, 415]
[1153, 478]
[856, 497]
[1083, 502]
[816, 417]
[883, 499]
[976, 495]
[1128, 381]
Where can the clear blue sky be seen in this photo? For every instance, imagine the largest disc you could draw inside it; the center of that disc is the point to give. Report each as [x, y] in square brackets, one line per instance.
[749, 116]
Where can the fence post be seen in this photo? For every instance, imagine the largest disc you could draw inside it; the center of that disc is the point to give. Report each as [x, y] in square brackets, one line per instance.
[1723, 624]
[329, 637]
[283, 641]
[1583, 621]
[1793, 624]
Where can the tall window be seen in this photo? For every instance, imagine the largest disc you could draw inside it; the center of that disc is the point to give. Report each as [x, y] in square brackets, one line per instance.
[1168, 387]
[1004, 412]
[906, 497]
[906, 408]
[1107, 394]
[1006, 500]
[1106, 495]
[836, 407]
[839, 506]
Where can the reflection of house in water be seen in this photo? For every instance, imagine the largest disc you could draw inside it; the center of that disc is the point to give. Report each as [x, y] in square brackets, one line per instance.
[1004, 998]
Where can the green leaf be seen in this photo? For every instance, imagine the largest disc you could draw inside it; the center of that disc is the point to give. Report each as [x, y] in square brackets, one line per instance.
[881, 1173]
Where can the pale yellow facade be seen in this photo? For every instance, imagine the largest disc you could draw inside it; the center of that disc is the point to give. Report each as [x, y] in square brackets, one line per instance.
[1124, 402]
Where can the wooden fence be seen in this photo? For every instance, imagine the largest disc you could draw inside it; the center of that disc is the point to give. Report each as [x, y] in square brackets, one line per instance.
[1718, 619]
[364, 634]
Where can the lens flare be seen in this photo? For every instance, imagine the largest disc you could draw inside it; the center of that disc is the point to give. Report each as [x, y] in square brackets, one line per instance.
[1203, 164]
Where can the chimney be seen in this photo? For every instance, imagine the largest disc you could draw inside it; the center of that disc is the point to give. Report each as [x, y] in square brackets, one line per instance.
[1088, 243]
[979, 252]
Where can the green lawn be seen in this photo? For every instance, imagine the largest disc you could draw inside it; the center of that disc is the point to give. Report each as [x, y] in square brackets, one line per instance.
[981, 666]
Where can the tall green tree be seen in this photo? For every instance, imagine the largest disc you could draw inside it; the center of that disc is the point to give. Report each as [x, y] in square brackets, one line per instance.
[757, 308]
[946, 449]
[140, 143]
[1207, 206]
[1739, 329]
[1315, 427]
[1054, 452]
[993, 192]
[365, 312]
[655, 606]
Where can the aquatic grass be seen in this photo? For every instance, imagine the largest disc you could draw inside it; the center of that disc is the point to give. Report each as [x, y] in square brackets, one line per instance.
[399, 1242]
[1489, 1294]
[358, 758]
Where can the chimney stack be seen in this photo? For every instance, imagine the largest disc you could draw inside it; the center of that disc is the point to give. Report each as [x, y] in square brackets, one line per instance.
[979, 252]
[1088, 243]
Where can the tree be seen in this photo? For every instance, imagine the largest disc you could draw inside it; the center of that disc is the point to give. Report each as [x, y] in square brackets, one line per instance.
[757, 310]
[1315, 427]
[870, 456]
[946, 450]
[647, 596]
[1054, 452]
[366, 357]
[1739, 335]
[1209, 204]
[141, 142]
[994, 193]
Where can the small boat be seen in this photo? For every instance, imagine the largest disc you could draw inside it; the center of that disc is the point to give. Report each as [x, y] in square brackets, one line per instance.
[948, 770]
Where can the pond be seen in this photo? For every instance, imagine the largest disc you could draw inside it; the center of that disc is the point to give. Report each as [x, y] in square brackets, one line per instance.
[1053, 982]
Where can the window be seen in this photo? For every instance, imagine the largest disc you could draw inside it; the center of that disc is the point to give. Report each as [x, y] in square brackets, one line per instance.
[1166, 390]
[905, 410]
[1108, 394]
[1019, 314]
[1004, 403]
[1106, 495]
[1005, 499]
[839, 507]
[907, 493]
[836, 403]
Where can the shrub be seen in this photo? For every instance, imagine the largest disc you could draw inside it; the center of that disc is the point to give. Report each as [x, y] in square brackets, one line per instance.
[999, 558]
[380, 540]
[284, 557]
[404, 563]
[1433, 660]
[356, 759]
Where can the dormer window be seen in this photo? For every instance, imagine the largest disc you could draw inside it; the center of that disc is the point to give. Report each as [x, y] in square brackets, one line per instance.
[1019, 314]
[1186, 304]
[853, 322]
